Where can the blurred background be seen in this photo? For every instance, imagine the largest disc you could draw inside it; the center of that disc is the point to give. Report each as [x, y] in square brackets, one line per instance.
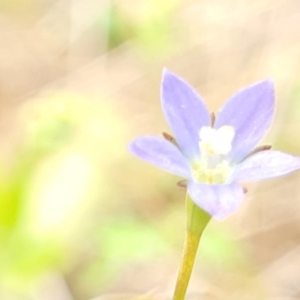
[80, 217]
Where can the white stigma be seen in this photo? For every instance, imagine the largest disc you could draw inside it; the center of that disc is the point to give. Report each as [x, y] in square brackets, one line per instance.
[213, 166]
[216, 141]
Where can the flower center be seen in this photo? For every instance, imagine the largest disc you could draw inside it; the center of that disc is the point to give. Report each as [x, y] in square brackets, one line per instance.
[212, 166]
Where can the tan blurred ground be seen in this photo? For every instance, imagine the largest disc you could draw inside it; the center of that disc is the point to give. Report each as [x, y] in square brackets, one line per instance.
[49, 47]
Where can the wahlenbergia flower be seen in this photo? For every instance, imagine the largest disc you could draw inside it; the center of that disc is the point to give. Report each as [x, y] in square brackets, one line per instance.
[214, 154]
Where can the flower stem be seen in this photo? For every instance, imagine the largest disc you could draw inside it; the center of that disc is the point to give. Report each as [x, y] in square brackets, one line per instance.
[197, 219]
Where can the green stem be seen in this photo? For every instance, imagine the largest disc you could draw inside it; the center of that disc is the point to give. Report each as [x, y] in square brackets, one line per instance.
[197, 219]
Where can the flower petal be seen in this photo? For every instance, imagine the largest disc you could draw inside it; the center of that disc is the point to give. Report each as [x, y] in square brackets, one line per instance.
[250, 112]
[161, 153]
[218, 200]
[266, 164]
[185, 112]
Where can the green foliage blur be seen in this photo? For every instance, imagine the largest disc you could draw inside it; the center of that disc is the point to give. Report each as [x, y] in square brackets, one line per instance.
[148, 23]
[51, 185]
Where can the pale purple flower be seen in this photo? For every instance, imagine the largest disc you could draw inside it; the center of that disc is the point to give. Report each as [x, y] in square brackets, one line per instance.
[214, 155]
